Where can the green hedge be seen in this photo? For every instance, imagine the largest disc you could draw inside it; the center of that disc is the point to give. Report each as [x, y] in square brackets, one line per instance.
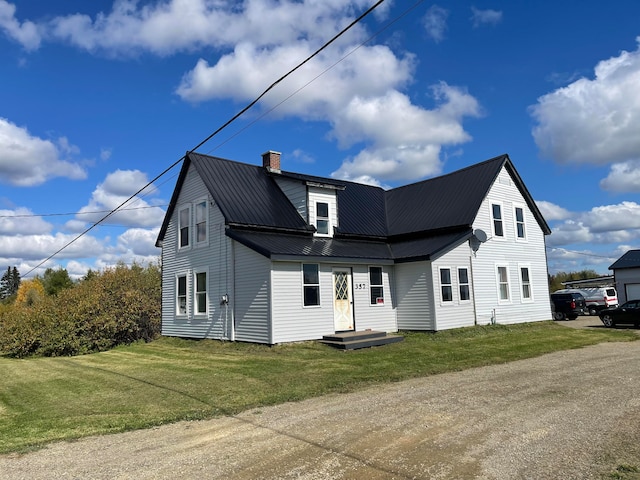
[118, 306]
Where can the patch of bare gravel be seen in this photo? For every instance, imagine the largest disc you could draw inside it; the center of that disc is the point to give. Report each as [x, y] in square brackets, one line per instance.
[570, 415]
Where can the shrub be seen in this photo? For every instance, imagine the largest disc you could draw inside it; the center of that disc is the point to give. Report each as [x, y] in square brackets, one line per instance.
[118, 306]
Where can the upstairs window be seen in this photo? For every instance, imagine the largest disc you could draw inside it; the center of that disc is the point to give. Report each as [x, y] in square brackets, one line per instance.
[496, 213]
[375, 286]
[184, 223]
[310, 284]
[322, 218]
[519, 215]
[201, 222]
[463, 282]
[445, 285]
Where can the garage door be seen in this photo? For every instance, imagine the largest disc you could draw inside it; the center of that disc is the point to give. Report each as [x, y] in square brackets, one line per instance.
[632, 290]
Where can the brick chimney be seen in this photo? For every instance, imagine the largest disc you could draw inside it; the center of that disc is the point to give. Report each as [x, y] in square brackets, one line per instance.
[271, 161]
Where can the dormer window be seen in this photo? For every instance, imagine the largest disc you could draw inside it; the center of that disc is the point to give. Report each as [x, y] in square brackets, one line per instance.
[322, 218]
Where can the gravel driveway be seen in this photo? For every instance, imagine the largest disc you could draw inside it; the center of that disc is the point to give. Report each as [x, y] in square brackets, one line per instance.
[569, 415]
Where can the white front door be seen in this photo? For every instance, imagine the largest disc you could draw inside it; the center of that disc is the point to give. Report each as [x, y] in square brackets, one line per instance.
[342, 303]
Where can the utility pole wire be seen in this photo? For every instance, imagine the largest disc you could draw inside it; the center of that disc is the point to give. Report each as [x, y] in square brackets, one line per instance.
[225, 125]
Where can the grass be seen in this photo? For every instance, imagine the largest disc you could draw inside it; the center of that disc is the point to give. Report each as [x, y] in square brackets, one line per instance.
[48, 399]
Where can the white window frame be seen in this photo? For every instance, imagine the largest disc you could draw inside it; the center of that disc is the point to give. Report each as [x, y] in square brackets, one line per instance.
[310, 285]
[181, 226]
[196, 293]
[499, 283]
[323, 219]
[375, 285]
[461, 284]
[524, 299]
[186, 295]
[205, 241]
[494, 220]
[443, 285]
[516, 223]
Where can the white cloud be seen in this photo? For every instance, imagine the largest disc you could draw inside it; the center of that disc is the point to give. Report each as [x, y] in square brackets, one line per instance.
[551, 211]
[22, 222]
[593, 121]
[25, 33]
[485, 17]
[139, 242]
[26, 160]
[623, 177]
[117, 187]
[607, 218]
[38, 247]
[435, 22]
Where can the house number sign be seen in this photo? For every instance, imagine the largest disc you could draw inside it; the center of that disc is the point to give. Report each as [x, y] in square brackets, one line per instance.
[360, 286]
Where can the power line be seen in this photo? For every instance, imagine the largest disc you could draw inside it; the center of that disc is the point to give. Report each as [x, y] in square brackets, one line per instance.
[226, 124]
[78, 213]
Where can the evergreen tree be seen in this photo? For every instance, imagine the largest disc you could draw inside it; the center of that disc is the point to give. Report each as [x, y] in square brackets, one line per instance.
[9, 283]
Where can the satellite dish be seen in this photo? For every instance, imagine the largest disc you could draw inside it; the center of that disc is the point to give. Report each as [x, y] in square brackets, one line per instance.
[480, 235]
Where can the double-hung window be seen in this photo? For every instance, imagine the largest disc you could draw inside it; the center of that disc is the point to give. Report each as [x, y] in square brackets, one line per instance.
[446, 286]
[310, 284]
[322, 218]
[496, 215]
[181, 295]
[463, 284]
[503, 284]
[375, 286]
[200, 293]
[525, 282]
[184, 227]
[201, 222]
[519, 217]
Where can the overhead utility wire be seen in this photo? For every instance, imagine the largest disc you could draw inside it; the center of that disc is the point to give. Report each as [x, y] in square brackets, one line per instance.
[25, 215]
[226, 124]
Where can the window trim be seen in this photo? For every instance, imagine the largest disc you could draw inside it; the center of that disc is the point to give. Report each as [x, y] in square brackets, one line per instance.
[186, 295]
[524, 299]
[461, 284]
[508, 300]
[375, 285]
[443, 285]
[196, 292]
[310, 285]
[493, 220]
[204, 242]
[516, 223]
[183, 208]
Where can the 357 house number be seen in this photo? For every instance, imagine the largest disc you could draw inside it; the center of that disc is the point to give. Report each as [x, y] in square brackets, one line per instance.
[360, 286]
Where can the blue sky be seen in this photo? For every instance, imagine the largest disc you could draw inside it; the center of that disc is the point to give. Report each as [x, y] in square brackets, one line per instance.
[97, 98]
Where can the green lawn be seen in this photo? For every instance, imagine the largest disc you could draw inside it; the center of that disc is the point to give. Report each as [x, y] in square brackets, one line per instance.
[48, 399]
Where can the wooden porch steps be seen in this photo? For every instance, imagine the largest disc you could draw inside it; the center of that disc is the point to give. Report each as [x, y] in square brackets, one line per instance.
[361, 339]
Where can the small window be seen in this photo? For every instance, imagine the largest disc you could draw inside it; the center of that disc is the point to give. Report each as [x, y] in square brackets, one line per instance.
[463, 282]
[201, 303]
[445, 285]
[322, 218]
[181, 295]
[375, 286]
[526, 283]
[201, 222]
[311, 284]
[184, 219]
[503, 283]
[519, 214]
[496, 212]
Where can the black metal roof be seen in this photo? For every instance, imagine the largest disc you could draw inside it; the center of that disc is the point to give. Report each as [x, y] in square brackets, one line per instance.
[631, 259]
[409, 222]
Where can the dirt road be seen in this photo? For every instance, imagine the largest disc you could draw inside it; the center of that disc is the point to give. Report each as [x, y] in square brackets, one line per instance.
[569, 415]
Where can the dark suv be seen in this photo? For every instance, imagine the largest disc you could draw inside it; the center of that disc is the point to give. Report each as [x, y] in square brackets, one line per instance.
[567, 305]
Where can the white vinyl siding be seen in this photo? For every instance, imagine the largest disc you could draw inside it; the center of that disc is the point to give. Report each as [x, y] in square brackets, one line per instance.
[414, 296]
[509, 252]
[296, 192]
[252, 292]
[213, 258]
